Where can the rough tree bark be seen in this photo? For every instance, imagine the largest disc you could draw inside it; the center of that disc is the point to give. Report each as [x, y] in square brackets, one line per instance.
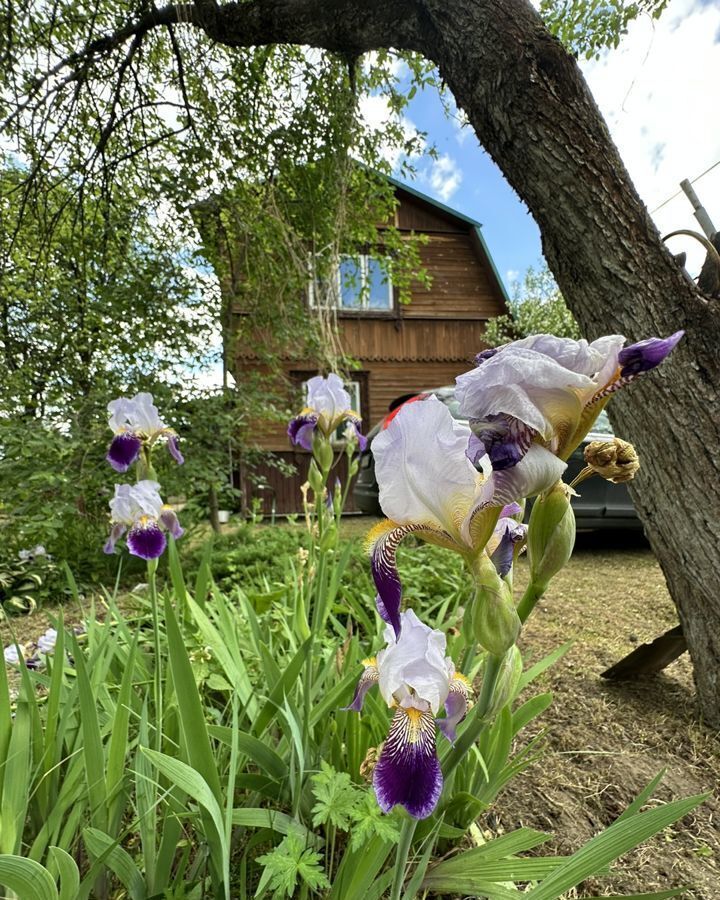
[532, 111]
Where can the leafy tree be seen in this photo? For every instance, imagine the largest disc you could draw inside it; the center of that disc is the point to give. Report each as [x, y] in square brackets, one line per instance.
[590, 26]
[524, 96]
[536, 307]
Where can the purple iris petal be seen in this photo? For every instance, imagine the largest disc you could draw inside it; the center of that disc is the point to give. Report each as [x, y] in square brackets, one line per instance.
[475, 449]
[172, 445]
[408, 771]
[300, 430]
[512, 509]
[502, 557]
[455, 711]
[486, 354]
[361, 439]
[368, 678]
[169, 520]
[124, 449]
[118, 530]
[505, 439]
[645, 355]
[146, 540]
[380, 606]
[387, 580]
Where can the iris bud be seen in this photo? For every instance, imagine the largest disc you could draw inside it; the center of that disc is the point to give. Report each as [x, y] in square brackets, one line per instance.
[508, 680]
[551, 534]
[323, 452]
[496, 624]
[315, 478]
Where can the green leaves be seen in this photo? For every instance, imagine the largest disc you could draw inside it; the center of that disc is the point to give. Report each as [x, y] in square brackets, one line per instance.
[291, 861]
[336, 798]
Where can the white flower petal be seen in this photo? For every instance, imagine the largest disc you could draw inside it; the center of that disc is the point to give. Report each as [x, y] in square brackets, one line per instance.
[422, 471]
[328, 395]
[416, 662]
[144, 415]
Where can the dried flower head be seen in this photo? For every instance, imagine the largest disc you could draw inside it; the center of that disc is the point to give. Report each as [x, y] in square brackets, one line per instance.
[614, 459]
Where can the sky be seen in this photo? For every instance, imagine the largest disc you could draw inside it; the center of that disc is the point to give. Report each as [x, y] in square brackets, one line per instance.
[658, 94]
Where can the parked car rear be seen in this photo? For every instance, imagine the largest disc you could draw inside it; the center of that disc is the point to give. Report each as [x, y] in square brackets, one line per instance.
[600, 504]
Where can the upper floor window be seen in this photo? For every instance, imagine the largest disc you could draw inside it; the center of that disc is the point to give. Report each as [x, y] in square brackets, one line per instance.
[360, 283]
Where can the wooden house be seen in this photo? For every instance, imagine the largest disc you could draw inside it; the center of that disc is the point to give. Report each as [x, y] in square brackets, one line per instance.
[402, 348]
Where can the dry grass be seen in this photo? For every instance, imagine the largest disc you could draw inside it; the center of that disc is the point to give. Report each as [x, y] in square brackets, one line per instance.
[607, 740]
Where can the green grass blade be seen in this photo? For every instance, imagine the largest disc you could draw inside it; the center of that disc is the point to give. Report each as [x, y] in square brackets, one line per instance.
[204, 575]
[119, 861]
[530, 710]
[658, 895]
[118, 746]
[146, 803]
[65, 867]
[6, 723]
[261, 755]
[176, 574]
[279, 822]
[17, 781]
[27, 878]
[92, 743]
[610, 844]
[642, 797]
[534, 671]
[232, 662]
[289, 676]
[460, 875]
[194, 785]
[192, 715]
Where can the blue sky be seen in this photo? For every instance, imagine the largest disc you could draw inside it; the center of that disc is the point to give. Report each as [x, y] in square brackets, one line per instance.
[658, 94]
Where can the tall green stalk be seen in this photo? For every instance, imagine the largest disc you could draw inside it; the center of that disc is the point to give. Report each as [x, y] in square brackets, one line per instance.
[157, 668]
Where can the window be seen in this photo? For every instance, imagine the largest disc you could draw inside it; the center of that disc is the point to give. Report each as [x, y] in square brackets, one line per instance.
[361, 283]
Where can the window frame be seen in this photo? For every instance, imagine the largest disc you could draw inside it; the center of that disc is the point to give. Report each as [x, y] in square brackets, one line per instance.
[364, 307]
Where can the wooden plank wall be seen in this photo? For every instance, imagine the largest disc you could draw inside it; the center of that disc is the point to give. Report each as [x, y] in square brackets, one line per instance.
[285, 489]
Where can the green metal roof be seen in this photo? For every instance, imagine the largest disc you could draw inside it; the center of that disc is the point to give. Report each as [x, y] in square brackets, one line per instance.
[436, 203]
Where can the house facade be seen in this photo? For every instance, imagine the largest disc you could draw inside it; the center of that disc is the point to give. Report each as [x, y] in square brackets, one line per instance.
[401, 348]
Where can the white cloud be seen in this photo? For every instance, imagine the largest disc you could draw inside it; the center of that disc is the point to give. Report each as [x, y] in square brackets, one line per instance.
[511, 276]
[444, 177]
[658, 93]
[375, 112]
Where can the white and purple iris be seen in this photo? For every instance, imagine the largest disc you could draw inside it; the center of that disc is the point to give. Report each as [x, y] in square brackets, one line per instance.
[327, 406]
[429, 487]
[547, 391]
[416, 679]
[139, 510]
[136, 424]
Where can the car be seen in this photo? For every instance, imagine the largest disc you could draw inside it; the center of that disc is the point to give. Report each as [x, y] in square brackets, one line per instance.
[599, 504]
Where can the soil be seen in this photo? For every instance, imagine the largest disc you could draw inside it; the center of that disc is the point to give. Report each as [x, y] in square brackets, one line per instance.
[605, 740]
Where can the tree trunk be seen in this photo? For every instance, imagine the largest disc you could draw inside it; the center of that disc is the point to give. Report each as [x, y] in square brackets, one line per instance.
[532, 111]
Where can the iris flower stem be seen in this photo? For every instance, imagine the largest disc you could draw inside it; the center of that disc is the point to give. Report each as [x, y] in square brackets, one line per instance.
[531, 596]
[403, 849]
[476, 721]
[157, 677]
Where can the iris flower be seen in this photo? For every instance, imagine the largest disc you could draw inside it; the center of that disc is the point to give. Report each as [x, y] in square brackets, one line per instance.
[429, 487]
[548, 391]
[135, 423]
[416, 679]
[327, 406]
[139, 508]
